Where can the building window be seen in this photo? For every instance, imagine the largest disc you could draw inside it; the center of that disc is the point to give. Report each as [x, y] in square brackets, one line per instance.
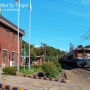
[14, 37]
[7, 32]
[5, 55]
[13, 56]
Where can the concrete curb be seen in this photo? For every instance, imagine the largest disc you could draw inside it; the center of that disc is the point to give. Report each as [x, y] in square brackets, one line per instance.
[44, 78]
[9, 87]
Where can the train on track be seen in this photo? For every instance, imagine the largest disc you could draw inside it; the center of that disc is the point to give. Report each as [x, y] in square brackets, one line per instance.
[79, 56]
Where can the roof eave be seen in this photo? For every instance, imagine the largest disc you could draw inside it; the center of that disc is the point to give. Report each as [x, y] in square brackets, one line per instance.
[11, 26]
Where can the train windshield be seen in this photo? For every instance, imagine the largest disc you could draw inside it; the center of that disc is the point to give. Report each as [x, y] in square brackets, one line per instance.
[87, 51]
[80, 51]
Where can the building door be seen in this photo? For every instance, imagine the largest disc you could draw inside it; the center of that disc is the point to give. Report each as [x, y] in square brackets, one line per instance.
[12, 60]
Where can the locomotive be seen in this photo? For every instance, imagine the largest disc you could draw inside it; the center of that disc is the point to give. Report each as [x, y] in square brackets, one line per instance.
[80, 56]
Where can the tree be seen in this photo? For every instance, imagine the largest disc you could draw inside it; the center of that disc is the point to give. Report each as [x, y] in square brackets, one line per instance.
[49, 53]
[86, 35]
[71, 46]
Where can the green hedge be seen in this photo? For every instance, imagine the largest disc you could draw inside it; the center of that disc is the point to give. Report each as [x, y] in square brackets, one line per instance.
[10, 70]
[58, 65]
[49, 69]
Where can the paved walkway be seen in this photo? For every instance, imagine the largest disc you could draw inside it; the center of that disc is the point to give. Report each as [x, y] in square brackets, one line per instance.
[75, 82]
[29, 83]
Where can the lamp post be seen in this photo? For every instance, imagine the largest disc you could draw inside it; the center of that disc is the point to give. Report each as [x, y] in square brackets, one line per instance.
[18, 51]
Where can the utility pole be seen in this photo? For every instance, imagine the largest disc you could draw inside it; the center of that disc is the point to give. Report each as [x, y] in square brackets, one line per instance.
[18, 51]
[29, 27]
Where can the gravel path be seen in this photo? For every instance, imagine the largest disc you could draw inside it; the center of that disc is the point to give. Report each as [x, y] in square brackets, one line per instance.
[76, 82]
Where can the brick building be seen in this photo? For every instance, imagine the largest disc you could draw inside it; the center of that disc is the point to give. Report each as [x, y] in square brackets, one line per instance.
[39, 60]
[9, 43]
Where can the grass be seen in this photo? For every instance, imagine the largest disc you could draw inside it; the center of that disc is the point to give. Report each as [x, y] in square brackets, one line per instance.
[33, 70]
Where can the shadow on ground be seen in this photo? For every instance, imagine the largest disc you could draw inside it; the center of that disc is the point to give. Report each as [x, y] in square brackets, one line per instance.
[67, 66]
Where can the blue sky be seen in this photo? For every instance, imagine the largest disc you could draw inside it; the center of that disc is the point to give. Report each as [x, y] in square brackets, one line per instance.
[54, 22]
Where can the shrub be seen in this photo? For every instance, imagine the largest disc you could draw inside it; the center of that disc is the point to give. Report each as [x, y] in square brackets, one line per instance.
[50, 69]
[22, 67]
[10, 70]
[59, 69]
[58, 65]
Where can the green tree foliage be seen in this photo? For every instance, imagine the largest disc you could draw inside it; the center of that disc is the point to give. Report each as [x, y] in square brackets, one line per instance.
[51, 69]
[33, 53]
[32, 50]
[49, 53]
[50, 56]
[27, 48]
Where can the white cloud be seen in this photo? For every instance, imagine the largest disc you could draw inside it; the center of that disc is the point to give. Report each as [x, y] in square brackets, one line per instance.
[37, 46]
[64, 49]
[84, 2]
[79, 8]
[79, 13]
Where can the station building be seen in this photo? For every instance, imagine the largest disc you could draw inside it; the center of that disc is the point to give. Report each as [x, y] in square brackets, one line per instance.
[9, 43]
